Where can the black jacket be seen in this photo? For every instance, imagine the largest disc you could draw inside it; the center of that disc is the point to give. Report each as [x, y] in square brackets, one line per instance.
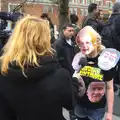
[92, 21]
[39, 96]
[65, 53]
[111, 32]
[114, 16]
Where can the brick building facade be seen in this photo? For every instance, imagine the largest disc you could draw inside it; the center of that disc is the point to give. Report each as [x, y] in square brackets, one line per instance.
[78, 7]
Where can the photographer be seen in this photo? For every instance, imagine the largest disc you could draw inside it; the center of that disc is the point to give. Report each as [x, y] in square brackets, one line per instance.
[5, 17]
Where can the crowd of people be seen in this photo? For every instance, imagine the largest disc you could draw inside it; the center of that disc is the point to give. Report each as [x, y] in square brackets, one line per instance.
[40, 75]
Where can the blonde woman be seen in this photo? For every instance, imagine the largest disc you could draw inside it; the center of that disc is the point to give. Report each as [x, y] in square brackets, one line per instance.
[98, 81]
[33, 86]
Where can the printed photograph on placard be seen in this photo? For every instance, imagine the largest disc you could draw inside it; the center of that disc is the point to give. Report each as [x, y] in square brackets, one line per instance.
[108, 59]
[96, 91]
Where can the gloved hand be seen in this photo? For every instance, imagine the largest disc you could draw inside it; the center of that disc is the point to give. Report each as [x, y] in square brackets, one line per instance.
[80, 83]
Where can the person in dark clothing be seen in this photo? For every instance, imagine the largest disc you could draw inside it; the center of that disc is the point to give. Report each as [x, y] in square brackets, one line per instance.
[33, 86]
[101, 22]
[115, 11]
[111, 36]
[112, 39]
[92, 18]
[73, 20]
[46, 17]
[117, 26]
[65, 47]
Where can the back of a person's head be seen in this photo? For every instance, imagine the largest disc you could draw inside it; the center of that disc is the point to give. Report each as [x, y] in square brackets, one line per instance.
[44, 16]
[29, 40]
[92, 7]
[116, 7]
[73, 18]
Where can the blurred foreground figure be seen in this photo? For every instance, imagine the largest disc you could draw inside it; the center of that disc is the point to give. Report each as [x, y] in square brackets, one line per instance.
[33, 86]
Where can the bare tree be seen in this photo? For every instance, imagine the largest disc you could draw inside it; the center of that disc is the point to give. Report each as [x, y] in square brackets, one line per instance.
[63, 12]
[21, 5]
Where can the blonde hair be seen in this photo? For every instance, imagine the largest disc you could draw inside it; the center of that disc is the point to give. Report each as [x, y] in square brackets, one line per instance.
[100, 47]
[29, 40]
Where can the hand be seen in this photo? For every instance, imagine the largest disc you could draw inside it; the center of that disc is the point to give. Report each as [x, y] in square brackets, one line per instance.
[108, 116]
[76, 75]
[81, 84]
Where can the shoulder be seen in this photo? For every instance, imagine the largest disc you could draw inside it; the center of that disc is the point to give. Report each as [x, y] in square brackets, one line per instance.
[58, 44]
[110, 74]
[61, 77]
[91, 19]
[62, 73]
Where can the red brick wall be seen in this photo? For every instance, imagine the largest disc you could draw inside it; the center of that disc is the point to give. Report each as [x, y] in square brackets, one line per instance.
[37, 9]
[4, 4]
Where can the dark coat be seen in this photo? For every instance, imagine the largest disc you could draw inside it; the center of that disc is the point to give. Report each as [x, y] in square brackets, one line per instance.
[115, 17]
[39, 96]
[92, 21]
[111, 32]
[65, 53]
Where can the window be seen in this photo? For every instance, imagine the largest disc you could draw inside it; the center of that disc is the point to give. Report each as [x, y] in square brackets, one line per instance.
[78, 1]
[12, 6]
[71, 10]
[88, 2]
[98, 2]
[109, 4]
[50, 9]
[40, 0]
[85, 12]
[82, 1]
[81, 12]
[70, 0]
[75, 11]
[92, 1]
[45, 9]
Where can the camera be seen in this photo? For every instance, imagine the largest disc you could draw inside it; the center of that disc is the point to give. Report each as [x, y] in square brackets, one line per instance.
[4, 18]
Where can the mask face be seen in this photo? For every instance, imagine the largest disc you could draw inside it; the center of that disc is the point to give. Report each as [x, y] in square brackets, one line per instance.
[96, 91]
[85, 44]
[108, 59]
